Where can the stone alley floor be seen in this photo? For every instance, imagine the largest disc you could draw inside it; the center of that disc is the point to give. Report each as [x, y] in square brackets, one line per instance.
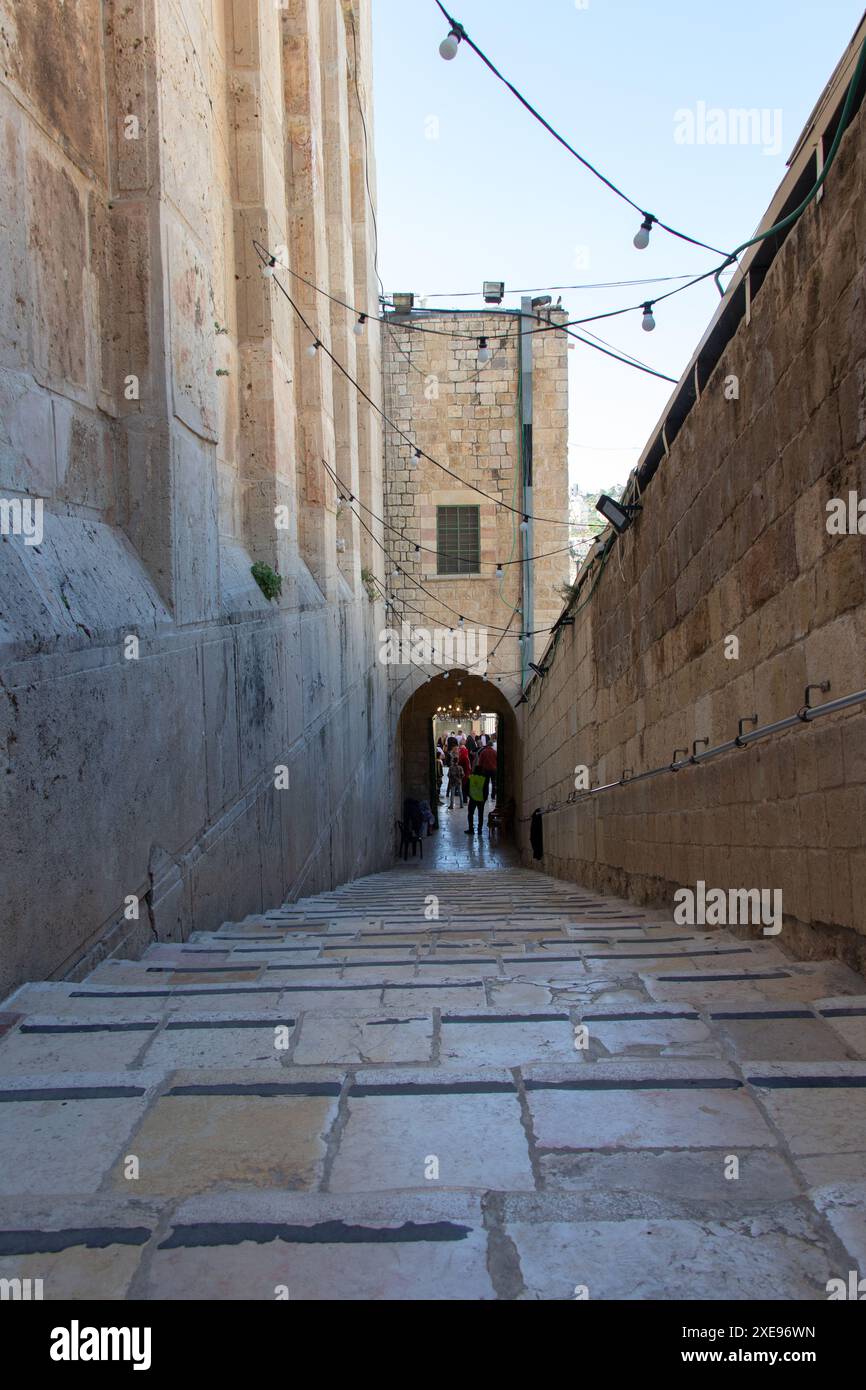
[537, 1093]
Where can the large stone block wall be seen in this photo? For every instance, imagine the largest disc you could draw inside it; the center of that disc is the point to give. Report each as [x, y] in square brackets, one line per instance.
[733, 541]
[156, 395]
[466, 416]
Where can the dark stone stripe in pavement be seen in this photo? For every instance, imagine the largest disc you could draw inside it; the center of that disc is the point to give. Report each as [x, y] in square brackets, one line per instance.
[762, 1013]
[72, 1093]
[322, 1233]
[670, 1083]
[505, 1018]
[172, 993]
[812, 1083]
[143, 1027]
[436, 1088]
[259, 1088]
[842, 1013]
[181, 1026]
[51, 1242]
[709, 979]
[639, 1017]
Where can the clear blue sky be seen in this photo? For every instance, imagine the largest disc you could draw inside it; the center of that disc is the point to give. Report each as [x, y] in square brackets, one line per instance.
[493, 196]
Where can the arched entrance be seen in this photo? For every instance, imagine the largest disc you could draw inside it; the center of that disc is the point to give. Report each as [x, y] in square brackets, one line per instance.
[463, 693]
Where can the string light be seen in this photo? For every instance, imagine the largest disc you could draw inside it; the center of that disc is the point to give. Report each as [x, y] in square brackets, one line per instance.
[313, 348]
[358, 328]
[483, 351]
[460, 35]
[268, 268]
[524, 525]
[648, 323]
[450, 46]
[500, 572]
[642, 235]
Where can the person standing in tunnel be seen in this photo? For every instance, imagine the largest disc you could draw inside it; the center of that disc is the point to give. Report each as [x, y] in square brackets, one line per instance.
[477, 798]
[486, 764]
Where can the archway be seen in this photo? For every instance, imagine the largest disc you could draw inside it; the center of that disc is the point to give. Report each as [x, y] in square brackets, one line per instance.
[463, 692]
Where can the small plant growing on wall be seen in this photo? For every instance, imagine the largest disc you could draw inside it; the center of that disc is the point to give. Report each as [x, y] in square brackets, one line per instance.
[367, 579]
[270, 583]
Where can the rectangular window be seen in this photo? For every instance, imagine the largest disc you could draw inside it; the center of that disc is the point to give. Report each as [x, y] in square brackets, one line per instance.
[458, 540]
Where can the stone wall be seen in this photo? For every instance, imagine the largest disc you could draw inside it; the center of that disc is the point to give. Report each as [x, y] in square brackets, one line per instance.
[733, 542]
[156, 395]
[466, 416]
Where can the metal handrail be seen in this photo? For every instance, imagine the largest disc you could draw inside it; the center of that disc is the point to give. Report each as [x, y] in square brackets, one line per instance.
[805, 715]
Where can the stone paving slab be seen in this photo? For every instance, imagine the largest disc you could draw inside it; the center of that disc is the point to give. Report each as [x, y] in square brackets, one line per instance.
[774, 1257]
[62, 1135]
[430, 1247]
[694, 1178]
[399, 1126]
[658, 1104]
[362, 1039]
[819, 1107]
[233, 1128]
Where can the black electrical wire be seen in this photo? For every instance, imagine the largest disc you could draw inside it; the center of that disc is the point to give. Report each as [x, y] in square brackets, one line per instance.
[458, 29]
[544, 520]
[346, 495]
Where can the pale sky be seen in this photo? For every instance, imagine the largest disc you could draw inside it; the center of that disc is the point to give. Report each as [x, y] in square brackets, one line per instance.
[470, 187]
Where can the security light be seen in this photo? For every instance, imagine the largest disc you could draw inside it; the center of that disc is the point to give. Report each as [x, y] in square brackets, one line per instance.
[403, 303]
[494, 291]
[619, 514]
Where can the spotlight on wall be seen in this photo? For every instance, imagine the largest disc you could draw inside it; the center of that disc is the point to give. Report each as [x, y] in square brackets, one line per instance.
[494, 291]
[403, 303]
[619, 514]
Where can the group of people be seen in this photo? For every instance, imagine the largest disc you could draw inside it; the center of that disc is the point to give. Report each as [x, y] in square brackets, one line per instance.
[469, 762]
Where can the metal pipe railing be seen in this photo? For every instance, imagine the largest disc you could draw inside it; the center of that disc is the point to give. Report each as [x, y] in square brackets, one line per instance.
[805, 715]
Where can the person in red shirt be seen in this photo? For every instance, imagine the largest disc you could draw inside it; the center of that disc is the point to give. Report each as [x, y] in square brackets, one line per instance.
[487, 764]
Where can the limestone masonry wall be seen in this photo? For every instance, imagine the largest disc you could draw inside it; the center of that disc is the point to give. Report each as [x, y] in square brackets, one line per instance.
[733, 541]
[156, 395]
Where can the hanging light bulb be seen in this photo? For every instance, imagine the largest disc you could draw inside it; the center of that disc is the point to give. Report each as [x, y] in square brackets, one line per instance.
[415, 459]
[642, 235]
[358, 328]
[648, 323]
[524, 525]
[500, 572]
[449, 46]
[483, 351]
[268, 269]
[313, 348]
[462, 621]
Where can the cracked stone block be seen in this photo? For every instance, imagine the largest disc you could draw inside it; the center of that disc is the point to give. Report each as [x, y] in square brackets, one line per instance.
[755, 1258]
[383, 1039]
[507, 1041]
[219, 1042]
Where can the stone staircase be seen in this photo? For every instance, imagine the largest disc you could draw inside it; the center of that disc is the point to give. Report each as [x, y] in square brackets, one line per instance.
[438, 1085]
